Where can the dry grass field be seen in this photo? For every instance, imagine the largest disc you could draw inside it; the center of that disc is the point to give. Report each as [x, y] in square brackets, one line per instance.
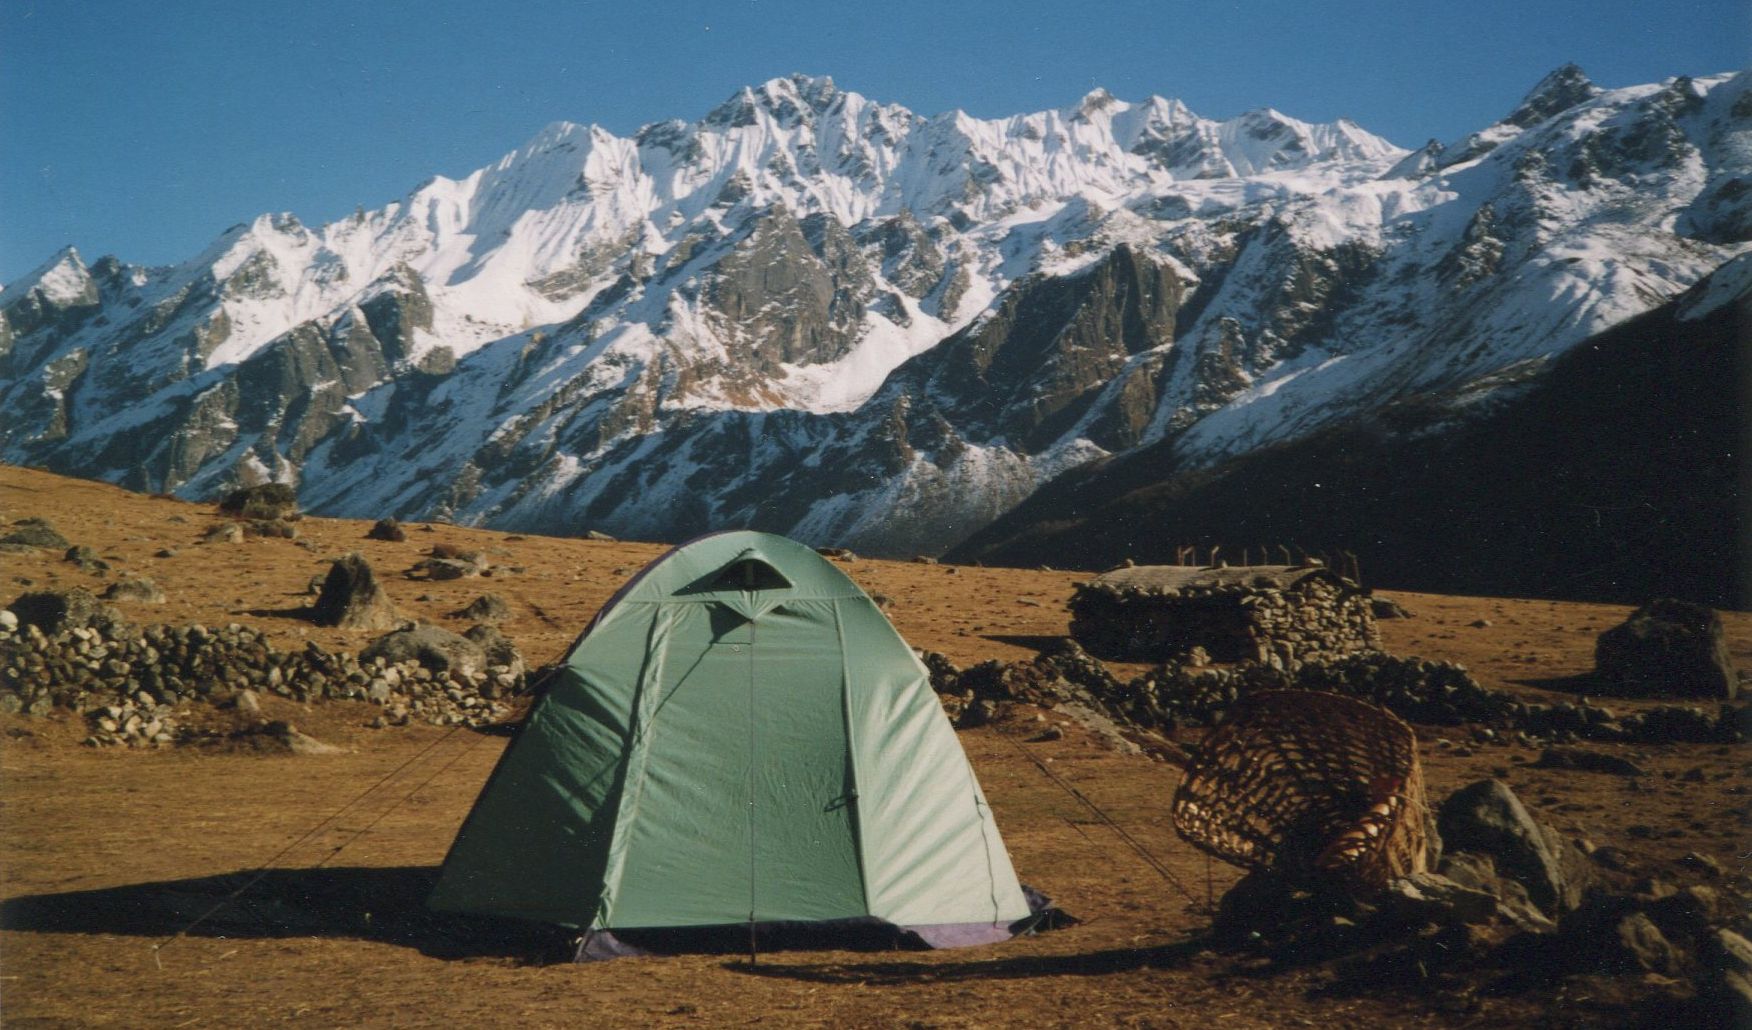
[104, 852]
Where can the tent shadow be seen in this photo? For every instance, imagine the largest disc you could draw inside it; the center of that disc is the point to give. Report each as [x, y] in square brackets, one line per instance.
[384, 904]
[1021, 967]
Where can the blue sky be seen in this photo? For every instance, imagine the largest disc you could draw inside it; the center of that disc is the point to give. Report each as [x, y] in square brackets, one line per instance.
[144, 129]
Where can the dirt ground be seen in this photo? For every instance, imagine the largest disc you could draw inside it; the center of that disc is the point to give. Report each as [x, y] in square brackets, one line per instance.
[105, 853]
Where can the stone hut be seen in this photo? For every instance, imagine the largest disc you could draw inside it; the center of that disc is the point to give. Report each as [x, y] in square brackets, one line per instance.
[1276, 614]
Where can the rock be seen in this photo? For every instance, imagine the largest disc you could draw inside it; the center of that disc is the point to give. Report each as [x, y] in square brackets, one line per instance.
[485, 608]
[1050, 733]
[35, 532]
[1666, 648]
[1727, 981]
[836, 553]
[599, 537]
[1388, 609]
[53, 611]
[1442, 900]
[266, 501]
[247, 701]
[140, 590]
[496, 646]
[438, 650]
[8, 621]
[352, 599]
[223, 533]
[1488, 818]
[1637, 943]
[1583, 760]
[1481, 624]
[387, 529]
[447, 568]
[1699, 862]
[164, 552]
[271, 529]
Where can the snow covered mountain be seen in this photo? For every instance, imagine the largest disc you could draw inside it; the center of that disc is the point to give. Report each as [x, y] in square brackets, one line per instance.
[817, 314]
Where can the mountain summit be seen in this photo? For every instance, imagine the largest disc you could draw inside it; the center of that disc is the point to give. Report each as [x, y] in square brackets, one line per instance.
[811, 312]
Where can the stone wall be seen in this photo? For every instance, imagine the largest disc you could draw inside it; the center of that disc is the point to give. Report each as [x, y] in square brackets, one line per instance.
[1269, 618]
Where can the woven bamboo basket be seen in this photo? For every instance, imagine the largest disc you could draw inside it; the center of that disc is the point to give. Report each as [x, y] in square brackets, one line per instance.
[1309, 786]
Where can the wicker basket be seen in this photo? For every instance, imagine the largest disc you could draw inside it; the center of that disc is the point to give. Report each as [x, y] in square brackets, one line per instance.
[1309, 786]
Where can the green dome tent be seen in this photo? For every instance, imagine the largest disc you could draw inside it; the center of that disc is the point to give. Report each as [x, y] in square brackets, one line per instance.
[740, 737]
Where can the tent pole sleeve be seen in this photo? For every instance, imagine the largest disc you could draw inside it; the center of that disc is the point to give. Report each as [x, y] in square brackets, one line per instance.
[638, 749]
[852, 771]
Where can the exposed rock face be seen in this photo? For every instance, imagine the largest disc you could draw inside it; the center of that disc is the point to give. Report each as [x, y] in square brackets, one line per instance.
[1666, 648]
[351, 597]
[817, 314]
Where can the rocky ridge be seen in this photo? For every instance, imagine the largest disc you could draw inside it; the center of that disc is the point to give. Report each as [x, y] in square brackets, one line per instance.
[817, 314]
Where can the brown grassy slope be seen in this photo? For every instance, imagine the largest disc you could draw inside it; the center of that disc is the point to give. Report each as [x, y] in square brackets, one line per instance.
[148, 827]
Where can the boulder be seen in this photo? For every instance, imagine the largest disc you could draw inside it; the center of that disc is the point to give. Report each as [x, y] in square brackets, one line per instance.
[351, 597]
[1666, 648]
[53, 611]
[485, 608]
[1486, 817]
[140, 590]
[35, 533]
[387, 529]
[223, 533]
[437, 649]
[266, 501]
[446, 568]
[497, 646]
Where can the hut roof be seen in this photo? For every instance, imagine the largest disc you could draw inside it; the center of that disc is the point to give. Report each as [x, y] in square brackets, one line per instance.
[1222, 577]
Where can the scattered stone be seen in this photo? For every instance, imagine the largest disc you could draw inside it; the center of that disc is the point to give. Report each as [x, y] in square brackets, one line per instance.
[837, 553]
[1481, 624]
[387, 529]
[266, 501]
[1583, 760]
[165, 552]
[139, 590]
[598, 537]
[1050, 733]
[1667, 648]
[86, 559]
[247, 701]
[35, 532]
[352, 599]
[924, 559]
[485, 608]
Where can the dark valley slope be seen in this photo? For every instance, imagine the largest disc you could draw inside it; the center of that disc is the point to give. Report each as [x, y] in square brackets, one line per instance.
[1618, 474]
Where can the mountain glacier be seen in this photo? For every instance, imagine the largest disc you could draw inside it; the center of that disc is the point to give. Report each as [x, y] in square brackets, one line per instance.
[817, 314]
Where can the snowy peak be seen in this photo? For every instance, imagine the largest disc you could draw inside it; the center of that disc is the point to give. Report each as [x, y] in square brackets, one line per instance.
[61, 281]
[816, 313]
[1559, 91]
